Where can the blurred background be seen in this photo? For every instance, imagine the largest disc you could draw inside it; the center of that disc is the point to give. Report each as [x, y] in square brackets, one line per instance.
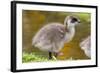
[32, 21]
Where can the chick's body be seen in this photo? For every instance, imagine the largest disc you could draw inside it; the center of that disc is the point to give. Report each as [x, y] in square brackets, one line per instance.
[51, 37]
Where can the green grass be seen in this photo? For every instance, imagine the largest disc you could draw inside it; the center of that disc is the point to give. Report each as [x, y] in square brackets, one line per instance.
[30, 57]
[34, 57]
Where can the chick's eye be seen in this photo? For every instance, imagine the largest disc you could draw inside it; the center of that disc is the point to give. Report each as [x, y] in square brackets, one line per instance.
[74, 20]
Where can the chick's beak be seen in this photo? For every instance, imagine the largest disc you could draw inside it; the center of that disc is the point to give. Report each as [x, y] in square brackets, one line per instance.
[78, 22]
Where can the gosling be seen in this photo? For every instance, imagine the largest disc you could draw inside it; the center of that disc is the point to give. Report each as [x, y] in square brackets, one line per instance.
[53, 36]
